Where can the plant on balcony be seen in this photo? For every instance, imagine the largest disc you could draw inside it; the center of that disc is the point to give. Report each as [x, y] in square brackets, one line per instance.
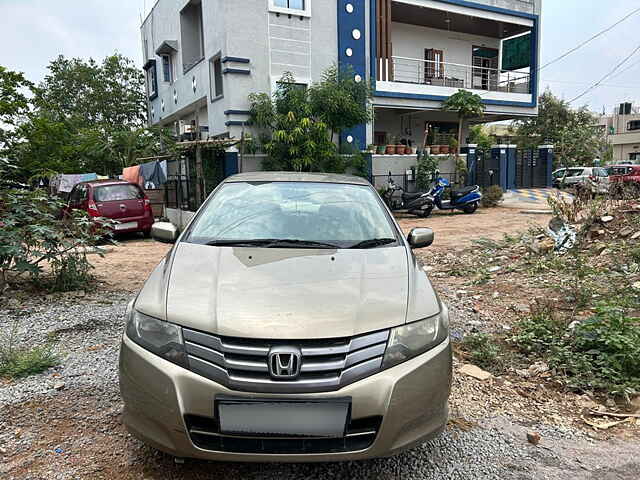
[467, 105]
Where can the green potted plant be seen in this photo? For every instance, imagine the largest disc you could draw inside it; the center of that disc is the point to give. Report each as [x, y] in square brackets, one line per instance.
[380, 149]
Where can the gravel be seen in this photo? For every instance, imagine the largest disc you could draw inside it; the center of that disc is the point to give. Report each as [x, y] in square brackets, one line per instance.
[85, 335]
[84, 438]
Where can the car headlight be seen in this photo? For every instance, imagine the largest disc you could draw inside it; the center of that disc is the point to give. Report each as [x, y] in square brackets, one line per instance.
[159, 337]
[411, 340]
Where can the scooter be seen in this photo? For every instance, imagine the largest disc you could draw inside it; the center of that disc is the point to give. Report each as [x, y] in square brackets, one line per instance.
[419, 203]
[466, 199]
[422, 204]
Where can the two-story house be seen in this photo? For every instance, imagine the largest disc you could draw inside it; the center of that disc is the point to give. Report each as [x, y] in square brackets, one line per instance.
[204, 57]
[622, 129]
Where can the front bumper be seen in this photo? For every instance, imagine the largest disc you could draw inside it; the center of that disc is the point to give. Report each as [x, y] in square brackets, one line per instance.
[411, 399]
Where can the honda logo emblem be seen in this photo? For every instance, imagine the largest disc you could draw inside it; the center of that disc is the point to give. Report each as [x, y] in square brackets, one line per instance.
[285, 362]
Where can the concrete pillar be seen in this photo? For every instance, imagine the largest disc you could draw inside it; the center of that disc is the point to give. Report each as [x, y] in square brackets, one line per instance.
[471, 151]
[498, 165]
[545, 157]
[230, 162]
[512, 154]
[503, 158]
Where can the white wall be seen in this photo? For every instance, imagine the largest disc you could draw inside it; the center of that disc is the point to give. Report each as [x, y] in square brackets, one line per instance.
[411, 40]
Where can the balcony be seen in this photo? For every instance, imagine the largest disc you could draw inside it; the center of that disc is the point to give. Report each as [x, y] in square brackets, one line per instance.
[453, 75]
[429, 50]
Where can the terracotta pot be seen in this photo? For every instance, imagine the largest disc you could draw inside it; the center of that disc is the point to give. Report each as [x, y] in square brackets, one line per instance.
[399, 149]
[444, 149]
[435, 149]
[390, 150]
[408, 150]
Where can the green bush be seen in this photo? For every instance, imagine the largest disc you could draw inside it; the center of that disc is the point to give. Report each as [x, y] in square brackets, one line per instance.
[492, 196]
[483, 351]
[601, 353]
[33, 234]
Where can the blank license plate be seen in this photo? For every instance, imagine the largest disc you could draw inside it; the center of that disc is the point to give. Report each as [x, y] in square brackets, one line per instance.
[126, 226]
[284, 418]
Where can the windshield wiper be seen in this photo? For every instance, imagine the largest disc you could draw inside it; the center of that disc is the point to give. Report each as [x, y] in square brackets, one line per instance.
[294, 243]
[258, 242]
[373, 243]
[271, 243]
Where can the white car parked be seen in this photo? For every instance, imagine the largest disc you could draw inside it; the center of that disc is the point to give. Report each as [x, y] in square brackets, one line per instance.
[595, 179]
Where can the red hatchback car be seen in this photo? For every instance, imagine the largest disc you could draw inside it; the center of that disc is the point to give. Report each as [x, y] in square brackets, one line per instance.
[123, 202]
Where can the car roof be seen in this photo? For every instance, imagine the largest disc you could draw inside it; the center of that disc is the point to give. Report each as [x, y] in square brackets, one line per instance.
[296, 177]
[101, 183]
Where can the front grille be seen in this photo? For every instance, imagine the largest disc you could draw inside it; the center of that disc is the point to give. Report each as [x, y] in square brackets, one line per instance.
[204, 433]
[326, 364]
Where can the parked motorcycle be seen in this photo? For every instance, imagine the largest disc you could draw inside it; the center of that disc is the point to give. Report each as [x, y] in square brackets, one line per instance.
[422, 204]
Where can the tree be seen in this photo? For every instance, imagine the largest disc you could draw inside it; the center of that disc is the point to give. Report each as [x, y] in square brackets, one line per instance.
[14, 103]
[87, 117]
[302, 122]
[575, 134]
[478, 136]
[339, 101]
[467, 105]
[107, 95]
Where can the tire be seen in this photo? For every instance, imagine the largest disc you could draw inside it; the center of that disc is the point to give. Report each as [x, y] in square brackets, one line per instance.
[426, 213]
[471, 208]
[146, 233]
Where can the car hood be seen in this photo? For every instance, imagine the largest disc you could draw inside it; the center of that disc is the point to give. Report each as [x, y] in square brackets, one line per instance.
[282, 293]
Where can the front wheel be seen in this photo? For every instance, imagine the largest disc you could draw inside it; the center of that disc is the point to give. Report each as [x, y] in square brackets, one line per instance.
[471, 208]
[425, 213]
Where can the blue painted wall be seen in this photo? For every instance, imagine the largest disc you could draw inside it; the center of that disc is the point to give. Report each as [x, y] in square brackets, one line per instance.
[348, 22]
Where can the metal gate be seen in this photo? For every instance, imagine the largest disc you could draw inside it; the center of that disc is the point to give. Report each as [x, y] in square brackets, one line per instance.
[531, 172]
[486, 170]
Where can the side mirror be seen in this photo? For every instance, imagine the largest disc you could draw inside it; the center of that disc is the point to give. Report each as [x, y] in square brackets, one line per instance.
[420, 237]
[165, 232]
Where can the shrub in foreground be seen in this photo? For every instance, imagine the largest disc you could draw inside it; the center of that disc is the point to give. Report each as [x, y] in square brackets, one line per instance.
[601, 353]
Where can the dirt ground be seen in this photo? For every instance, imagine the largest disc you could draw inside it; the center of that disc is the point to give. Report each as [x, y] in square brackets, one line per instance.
[128, 264]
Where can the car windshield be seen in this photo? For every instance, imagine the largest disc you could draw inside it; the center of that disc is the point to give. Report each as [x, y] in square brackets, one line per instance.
[117, 193]
[304, 214]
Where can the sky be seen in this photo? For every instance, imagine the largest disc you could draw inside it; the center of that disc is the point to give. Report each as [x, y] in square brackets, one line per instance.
[36, 31]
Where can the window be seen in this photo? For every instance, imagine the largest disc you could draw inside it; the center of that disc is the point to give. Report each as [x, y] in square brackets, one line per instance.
[434, 64]
[78, 195]
[167, 69]
[151, 76]
[215, 77]
[152, 81]
[633, 125]
[291, 7]
[117, 193]
[292, 4]
[191, 32]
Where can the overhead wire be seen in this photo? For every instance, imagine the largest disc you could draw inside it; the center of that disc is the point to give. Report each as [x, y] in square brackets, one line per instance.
[599, 82]
[589, 40]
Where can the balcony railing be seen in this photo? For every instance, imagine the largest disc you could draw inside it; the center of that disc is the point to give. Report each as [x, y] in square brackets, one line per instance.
[454, 75]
